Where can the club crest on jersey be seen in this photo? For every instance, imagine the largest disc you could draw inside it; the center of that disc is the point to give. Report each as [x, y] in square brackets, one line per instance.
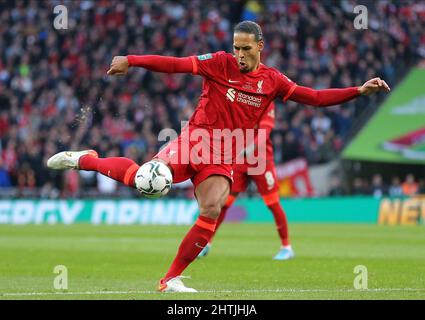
[260, 86]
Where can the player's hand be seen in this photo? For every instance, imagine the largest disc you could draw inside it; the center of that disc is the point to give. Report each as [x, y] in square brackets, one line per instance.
[119, 66]
[373, 86]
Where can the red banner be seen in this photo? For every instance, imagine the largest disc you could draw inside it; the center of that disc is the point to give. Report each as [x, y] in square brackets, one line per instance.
[294, 179]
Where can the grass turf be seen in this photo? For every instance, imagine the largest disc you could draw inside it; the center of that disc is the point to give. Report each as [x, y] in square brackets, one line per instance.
[125, 262]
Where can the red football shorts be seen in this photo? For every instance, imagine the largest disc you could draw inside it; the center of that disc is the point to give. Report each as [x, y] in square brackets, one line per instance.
[266, 182]
[176, 155]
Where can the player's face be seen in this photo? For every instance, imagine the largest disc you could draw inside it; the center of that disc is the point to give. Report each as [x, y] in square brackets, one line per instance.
[247, 51]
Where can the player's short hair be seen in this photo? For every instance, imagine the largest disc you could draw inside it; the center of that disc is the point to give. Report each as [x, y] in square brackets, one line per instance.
[249, 27]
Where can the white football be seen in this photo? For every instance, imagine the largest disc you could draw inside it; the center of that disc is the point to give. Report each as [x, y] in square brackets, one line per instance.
[153, 179]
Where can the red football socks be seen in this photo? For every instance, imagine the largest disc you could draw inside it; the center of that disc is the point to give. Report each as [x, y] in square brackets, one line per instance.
[196, 239]
[281, 222]
[118, 168]
[221, 217]
[220, 220]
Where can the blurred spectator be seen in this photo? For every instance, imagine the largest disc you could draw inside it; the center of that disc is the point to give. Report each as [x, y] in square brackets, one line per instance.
[251, 10]
[26, 177]
[278, 148]
[48, 191]
[320, 122]
[291, 149]
[87, 179]
[377, 188]
[409, 186]
[4, 177]
[106, 185]
[421, 187]
[360, 187]
[395, 189]
[336, 189]
[327, 148]
[70, 183]
[343, 122]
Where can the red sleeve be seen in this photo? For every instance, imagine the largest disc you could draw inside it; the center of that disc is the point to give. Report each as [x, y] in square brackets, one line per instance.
[210, 65]
[285, 86]
[162, 63]
[323, 98]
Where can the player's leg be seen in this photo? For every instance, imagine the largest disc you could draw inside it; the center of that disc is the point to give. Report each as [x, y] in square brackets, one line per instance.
[211, 194]
[268, 188]
[230, 199]
[272, 201]
[239, 185]
[118, 168]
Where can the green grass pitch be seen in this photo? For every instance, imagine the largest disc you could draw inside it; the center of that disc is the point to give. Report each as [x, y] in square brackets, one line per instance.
[125, 262]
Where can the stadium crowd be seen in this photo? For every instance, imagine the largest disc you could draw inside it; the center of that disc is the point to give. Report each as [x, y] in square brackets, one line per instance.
[378, 187]
[54, 94]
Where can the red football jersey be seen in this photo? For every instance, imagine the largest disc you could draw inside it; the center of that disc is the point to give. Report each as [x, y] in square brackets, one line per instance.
[232, 99]
[266, 123]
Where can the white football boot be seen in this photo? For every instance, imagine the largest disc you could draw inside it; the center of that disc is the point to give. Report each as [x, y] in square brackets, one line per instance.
[68, 159]
[174, 285]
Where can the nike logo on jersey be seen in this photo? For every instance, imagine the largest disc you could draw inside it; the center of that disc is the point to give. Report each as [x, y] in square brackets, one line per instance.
[233, 81]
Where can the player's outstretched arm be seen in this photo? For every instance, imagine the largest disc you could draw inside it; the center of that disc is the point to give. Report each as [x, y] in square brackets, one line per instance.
[331, 97]
[121, 64]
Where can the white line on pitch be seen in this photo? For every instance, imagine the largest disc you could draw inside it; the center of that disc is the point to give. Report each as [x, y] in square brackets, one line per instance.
[209, 291]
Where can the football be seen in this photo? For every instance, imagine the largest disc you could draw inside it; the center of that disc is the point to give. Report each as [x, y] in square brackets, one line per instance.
[153, 179]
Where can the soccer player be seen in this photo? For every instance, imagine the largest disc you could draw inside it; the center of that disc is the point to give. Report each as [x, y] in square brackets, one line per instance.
[267, 186]
[237, 90]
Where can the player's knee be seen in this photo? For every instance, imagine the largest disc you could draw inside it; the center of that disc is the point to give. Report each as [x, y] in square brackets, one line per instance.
[210, 210]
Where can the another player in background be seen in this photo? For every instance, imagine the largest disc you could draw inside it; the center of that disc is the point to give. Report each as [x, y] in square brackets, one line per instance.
[267, 186]
[237, 90]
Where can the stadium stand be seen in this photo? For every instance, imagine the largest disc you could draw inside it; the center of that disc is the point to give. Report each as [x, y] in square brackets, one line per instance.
[54, 94]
